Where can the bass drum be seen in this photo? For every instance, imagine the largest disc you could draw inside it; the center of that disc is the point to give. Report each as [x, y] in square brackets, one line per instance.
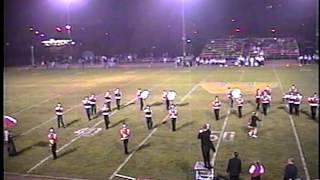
[171, 95]
[236, 93]
[145, 94]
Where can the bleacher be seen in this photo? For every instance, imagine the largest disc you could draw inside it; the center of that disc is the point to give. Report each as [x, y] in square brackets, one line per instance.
[231, 48]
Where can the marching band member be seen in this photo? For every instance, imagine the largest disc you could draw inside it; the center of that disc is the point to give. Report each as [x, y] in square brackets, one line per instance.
[240, 102]
[118, 96]
[206, 145]
[293, 88]
[265, 100]
[148, 115]
[229, 95]
[173, 114]
[93, 100]
[107, 98]
[165, 98]
[87, 106]
[313, 103]
[59, 113]
[105, 112]
[291, 99]
[296, 103]
[52, 137]
[256, 170]
[258, 96]
[285, 97]
[268, 90]
[124, 136]
[216, 105]
[171, 95]
[138, 94]
[252, 125]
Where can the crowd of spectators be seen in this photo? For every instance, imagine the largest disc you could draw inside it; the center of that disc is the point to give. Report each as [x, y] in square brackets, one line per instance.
[270, 48]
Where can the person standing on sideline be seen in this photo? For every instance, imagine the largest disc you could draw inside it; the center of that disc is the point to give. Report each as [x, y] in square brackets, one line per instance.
[258, 96]
[139, 91]
[93, 101]
[107, 98]
[256, 170]
[296, 103]
[206, 145]
[313, 103]
[105, 113]
[118, 96]
[234, 167]
[173, 114]
[268, 90]
[5, 140]
[240, 102]
[265, 101]
[148, 115]
[290, 171]
[59, 113]
[52, 137]
[8, 143]
[124, 136]
[216, 105]
[87, 106]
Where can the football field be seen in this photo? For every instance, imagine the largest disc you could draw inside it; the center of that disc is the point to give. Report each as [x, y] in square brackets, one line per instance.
[158, 154]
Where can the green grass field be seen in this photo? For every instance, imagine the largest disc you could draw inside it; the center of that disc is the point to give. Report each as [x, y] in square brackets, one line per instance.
[165, 155]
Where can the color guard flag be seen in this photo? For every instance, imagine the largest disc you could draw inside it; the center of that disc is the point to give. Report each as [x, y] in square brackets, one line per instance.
[9, 122]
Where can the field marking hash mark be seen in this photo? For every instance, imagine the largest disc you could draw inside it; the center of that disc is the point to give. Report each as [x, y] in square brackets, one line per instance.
[223, 128]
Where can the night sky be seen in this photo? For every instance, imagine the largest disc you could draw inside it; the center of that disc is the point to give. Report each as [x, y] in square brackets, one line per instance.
[137, 25]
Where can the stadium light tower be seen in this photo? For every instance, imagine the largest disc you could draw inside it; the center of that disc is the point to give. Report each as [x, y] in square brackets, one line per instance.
[68, 26]
[184, 38]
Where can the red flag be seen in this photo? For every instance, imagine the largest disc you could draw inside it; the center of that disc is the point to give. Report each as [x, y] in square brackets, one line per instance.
[9, 122]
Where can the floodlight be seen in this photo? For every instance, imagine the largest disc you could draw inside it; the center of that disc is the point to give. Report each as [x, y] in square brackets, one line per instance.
[68, 27]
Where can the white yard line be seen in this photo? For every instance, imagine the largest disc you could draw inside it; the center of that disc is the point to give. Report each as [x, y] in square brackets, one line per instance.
[220, 138]
[35, 105]
[42, 176]
[304, 164]
[151, 133]
[223, 129]
[78, 137]
[45, 122]
[125, 177]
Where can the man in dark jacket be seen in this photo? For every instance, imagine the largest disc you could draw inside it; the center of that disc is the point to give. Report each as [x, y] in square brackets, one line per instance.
[234, 167]
[290, 171]
[206, 145]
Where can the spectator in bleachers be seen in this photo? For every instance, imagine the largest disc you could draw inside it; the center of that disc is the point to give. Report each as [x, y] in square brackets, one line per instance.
[202, 61]
[315, 57]
[251, 61]
[305, 58]
[309, 59]
[198, 61]
[300, 59]
[241, 60]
